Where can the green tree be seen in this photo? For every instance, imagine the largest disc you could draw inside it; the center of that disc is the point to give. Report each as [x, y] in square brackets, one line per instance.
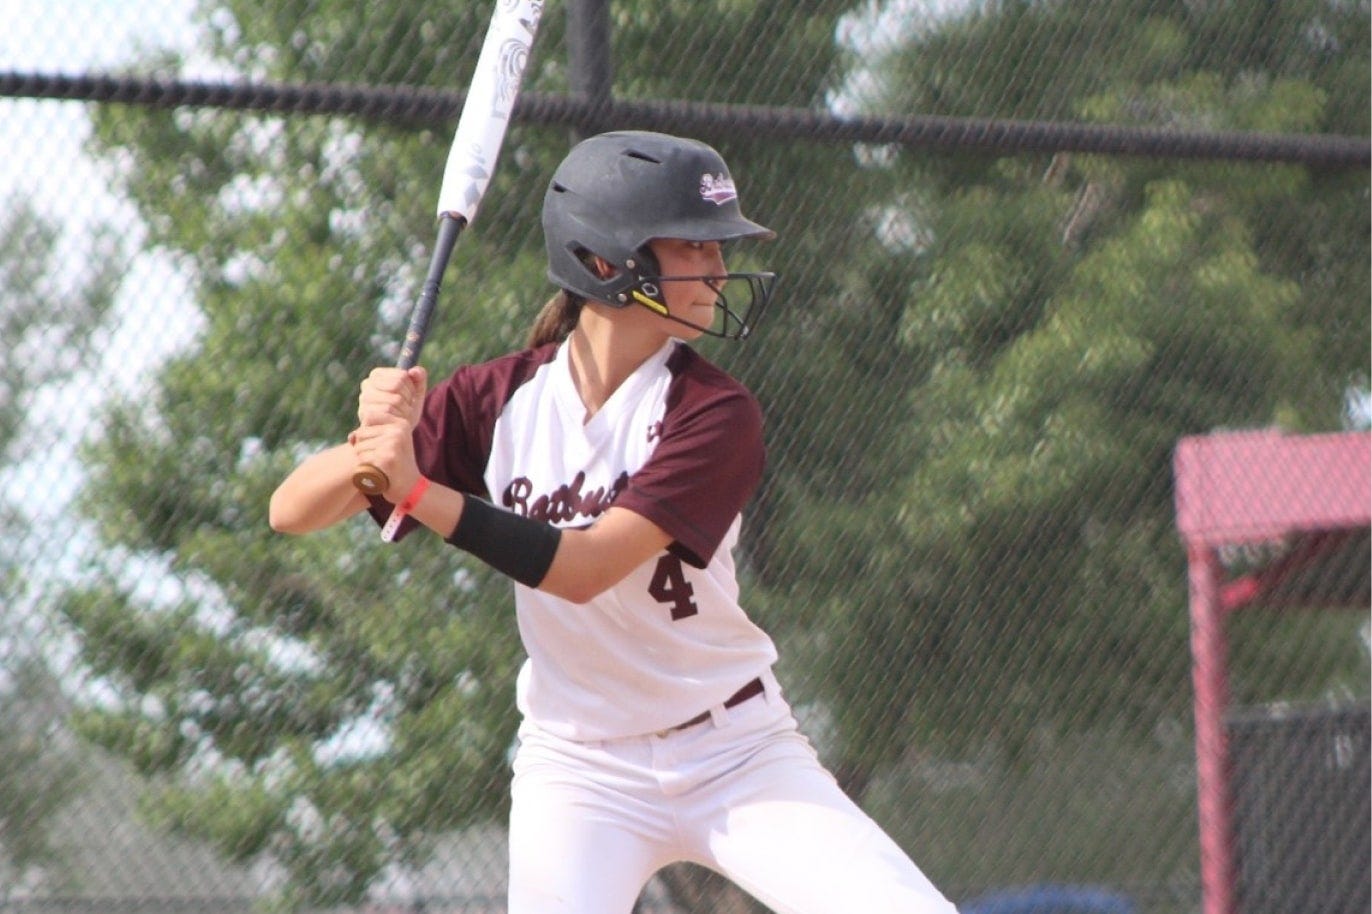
[991, 547]
[39, 774]
[246, 680]
[47, 317]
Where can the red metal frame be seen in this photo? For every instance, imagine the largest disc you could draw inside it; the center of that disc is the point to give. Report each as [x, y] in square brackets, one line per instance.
[1245, 488]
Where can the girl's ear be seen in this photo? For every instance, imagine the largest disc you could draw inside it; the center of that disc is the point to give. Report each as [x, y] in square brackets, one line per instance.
[602, 267]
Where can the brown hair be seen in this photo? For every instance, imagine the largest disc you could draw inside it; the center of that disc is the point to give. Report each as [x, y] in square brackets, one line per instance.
[557, 319]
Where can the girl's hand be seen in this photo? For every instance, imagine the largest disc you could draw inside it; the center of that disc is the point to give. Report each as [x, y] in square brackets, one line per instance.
[392, 395]
[389, 407]
[388, 446]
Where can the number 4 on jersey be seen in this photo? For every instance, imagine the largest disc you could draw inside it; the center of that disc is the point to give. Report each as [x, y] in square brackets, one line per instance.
[669, 585]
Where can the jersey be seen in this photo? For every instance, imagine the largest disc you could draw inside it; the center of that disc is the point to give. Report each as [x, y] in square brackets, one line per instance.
[680, 443]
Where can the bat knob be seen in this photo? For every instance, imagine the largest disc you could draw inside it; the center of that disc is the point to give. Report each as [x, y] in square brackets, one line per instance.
[369, 480]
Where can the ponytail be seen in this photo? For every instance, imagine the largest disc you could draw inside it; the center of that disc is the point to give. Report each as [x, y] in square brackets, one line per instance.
[557, 319]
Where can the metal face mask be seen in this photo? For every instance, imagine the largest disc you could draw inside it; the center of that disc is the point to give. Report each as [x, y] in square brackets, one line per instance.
[733, 322]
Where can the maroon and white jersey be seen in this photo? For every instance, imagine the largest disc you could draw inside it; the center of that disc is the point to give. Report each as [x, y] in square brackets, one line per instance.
[680, 443]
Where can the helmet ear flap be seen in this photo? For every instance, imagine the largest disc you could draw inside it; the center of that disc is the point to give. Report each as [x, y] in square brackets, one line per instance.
[589, 274]
[642, 263]
[645, 290]
[645, 262]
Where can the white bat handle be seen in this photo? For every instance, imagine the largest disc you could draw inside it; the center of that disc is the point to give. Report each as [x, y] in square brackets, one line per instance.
[490, 102]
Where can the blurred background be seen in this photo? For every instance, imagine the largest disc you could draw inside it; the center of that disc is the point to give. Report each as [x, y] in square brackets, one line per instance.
[1026, 247]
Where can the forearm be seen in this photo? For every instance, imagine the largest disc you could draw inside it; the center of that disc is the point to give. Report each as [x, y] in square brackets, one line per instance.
[317, 494]
[576, 565]
[439, 509]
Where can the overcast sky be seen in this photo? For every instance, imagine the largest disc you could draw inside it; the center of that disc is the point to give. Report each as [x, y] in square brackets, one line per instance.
[45, 161]
[71, 37]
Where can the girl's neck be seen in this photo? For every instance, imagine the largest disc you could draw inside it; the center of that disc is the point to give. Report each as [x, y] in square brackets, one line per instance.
[605, 348]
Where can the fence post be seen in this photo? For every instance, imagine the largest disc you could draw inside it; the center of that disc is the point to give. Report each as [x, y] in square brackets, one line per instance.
[590, 70]
[1209, 671]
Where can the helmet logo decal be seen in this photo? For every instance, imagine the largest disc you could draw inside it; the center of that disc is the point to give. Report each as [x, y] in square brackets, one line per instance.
[718, 189]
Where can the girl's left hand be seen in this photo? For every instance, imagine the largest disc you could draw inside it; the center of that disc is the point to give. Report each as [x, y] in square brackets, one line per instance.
[388, 446]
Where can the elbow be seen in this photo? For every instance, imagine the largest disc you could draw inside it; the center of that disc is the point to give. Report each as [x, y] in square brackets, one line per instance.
[280, 518]
[278, 523]
[577, 592]
[578, 589]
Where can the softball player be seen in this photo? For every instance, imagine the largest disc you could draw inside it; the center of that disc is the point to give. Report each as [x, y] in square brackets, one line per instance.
[604, 469]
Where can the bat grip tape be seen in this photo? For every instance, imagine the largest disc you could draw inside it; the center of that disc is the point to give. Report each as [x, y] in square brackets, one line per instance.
[516, 546]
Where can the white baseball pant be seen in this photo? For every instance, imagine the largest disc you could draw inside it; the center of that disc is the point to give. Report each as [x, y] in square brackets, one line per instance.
[742, 794]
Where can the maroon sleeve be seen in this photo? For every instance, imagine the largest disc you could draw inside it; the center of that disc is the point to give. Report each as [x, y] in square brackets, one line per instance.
[706, 465]
[452, 442]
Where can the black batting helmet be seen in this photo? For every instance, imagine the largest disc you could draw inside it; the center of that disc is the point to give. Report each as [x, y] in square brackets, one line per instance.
[615, 192]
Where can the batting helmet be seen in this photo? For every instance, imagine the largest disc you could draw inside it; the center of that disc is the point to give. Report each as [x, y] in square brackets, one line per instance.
[615, 192]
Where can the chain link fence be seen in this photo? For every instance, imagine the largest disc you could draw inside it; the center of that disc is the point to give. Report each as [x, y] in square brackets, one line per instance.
[1025, 248]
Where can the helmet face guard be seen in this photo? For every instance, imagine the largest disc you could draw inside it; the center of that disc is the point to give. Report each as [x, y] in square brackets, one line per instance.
[616, 192]
[736, 324]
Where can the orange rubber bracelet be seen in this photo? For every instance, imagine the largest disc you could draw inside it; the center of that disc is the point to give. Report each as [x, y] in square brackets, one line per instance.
[407, 504]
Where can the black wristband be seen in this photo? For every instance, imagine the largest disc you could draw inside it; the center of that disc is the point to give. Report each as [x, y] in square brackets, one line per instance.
[512, 544]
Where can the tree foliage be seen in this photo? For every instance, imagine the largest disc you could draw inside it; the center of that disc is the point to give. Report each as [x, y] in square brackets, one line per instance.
[48, 315]
[37, 775]
[995, 552]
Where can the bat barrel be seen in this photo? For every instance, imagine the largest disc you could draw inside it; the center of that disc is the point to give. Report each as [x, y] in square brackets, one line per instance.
[489, 106]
